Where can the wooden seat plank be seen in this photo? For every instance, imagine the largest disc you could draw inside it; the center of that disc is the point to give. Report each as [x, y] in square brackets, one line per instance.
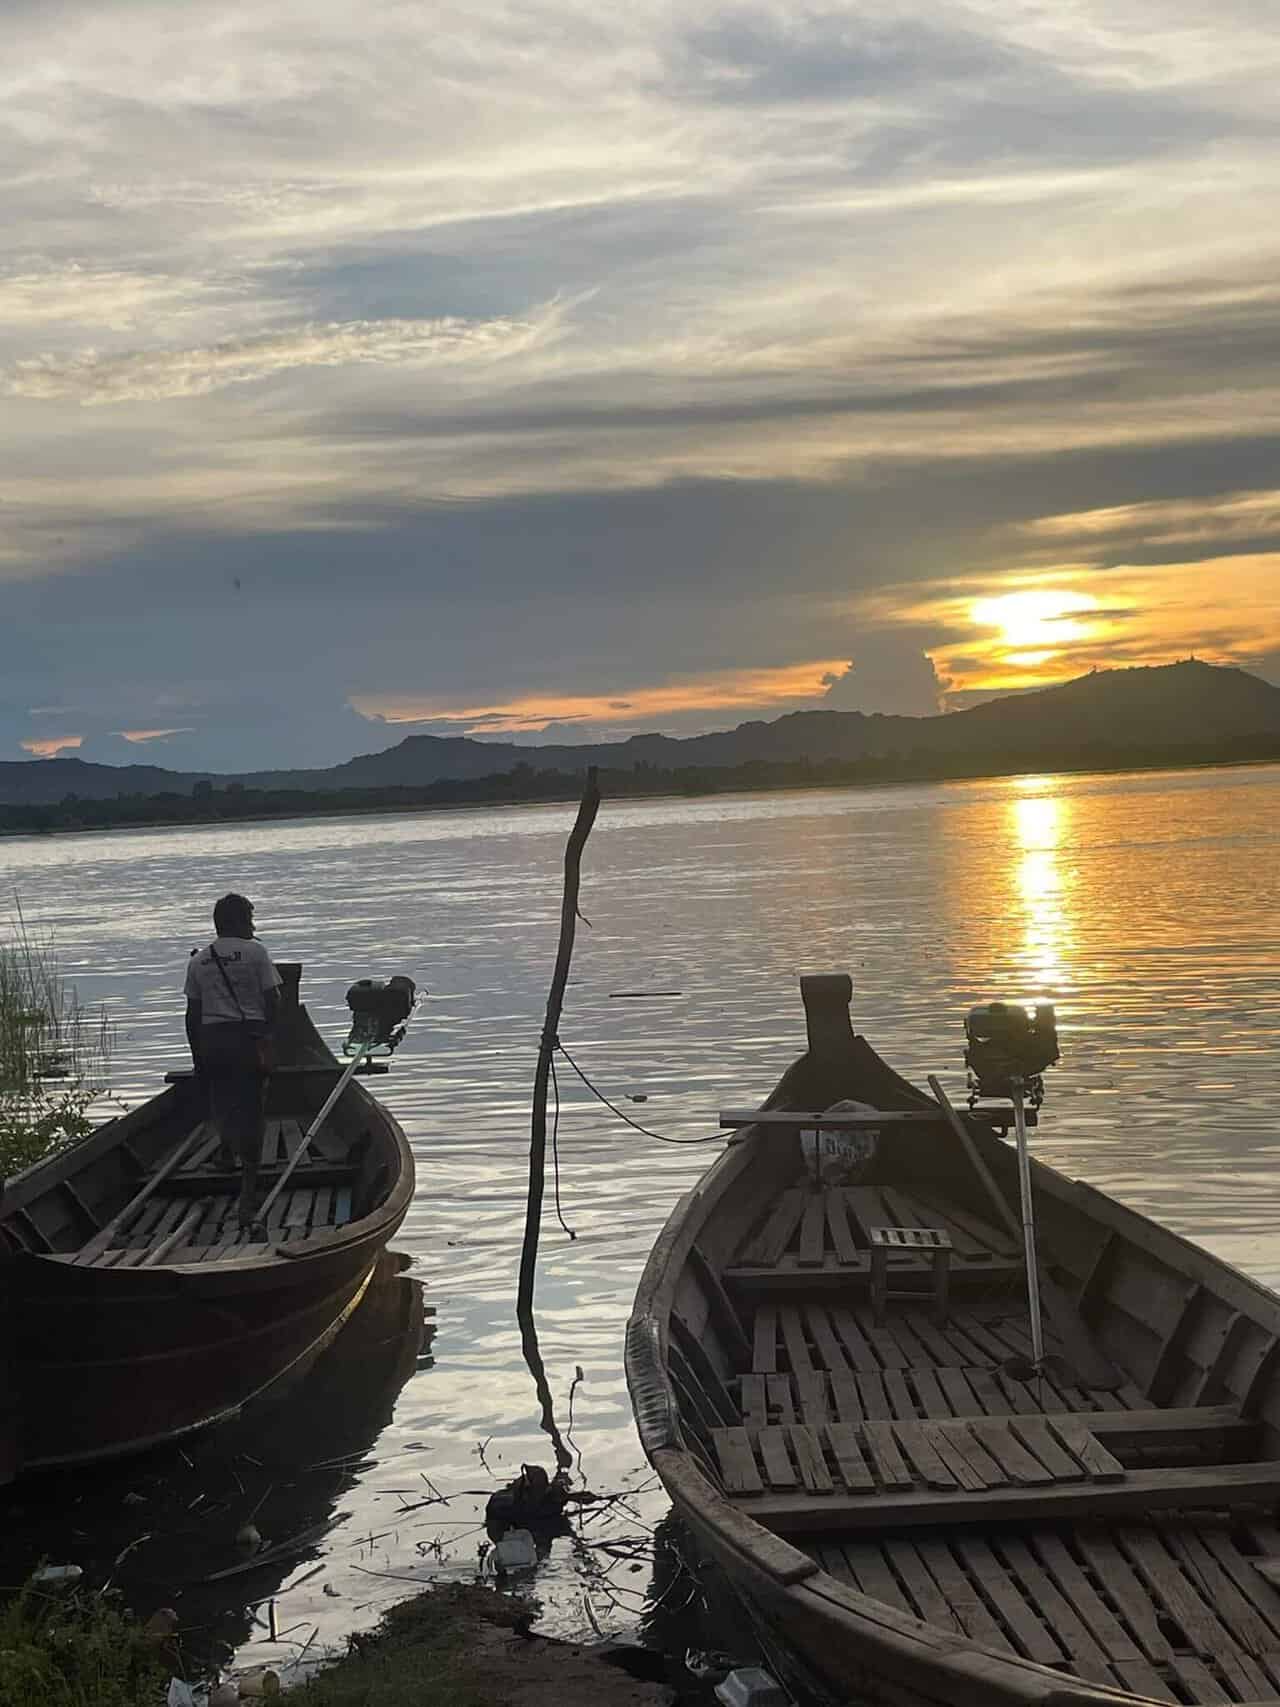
[824, 1338]
[963, 1353]
[291, 1136]
[901, 1399]
[778, 1388]
[794, 1340]
[1080, 1441]
[1218, 1487]
[838, 1222]
[1087, 1658]
[1201, 1685]
[1143, 1679]
[774, 1237]
[298, 1213]
[737, 1461]
[1029, 1634]
[916, 1442]
[755, 1411]
[930, 1336]
[912, 1211]
[764, 1355]
[807, 1452]
[777, 1463]
[171, 1212]
[886, 1348]
[869, 1209]
[271, 1144]
[928, 1601]
[812, 1227]
[987, 1236]
[980, 1335]
[853, 1468]
[988, 1392]
[1241, 1618]
[918, 1355]
[844, 1390]
[1260, 1593]
[1010, 1454]
[872, 1397]
[855, 1342]
[961, 1596]
[960, 1395]
[811, 1391]
[1020, 1398]
[1036, 1435]
[1131, 1600]
[874, 1575]
[902, 1211]
[1158, 1569]
[832, 1560]
[974, 1453]
[210, 1229]
[1066, 1573]
[890, 1466]
[967, 1477]
[931, 1399]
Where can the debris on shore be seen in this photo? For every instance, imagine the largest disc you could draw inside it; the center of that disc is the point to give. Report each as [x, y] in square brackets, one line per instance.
[461, 1645]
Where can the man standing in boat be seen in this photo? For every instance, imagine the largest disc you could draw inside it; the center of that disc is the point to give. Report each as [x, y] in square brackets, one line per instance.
[233, 995]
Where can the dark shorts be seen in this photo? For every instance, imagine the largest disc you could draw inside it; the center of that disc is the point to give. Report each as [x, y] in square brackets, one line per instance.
[229, 1057]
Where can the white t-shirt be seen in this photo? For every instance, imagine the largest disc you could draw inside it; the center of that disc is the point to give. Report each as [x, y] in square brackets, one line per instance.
[248, 968]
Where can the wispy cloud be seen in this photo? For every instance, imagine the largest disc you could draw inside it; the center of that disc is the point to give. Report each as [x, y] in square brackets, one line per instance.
[149, 375]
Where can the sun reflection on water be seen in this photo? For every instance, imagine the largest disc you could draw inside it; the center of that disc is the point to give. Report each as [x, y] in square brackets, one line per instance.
[1041, 825]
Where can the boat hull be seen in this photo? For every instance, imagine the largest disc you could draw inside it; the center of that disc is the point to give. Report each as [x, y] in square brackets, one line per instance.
[117, 1362]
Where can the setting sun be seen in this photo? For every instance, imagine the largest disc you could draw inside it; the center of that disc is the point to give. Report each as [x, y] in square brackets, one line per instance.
[1034, 620]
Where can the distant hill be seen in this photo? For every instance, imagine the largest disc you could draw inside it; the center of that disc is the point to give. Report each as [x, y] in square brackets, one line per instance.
[1164, 706]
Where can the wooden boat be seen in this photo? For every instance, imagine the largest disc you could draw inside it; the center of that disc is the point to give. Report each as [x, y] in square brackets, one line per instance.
[134, 1308]
[906, 1519]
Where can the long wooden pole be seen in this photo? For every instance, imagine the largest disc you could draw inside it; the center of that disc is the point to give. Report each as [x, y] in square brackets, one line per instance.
[587, 809]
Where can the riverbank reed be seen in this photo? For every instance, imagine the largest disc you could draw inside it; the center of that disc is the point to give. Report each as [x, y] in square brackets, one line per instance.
[54, 1052]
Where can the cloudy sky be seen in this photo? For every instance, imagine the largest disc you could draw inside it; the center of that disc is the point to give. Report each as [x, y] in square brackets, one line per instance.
[561, 367]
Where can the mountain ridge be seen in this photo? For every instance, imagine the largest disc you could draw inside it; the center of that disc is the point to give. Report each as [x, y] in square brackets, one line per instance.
[1189, 702]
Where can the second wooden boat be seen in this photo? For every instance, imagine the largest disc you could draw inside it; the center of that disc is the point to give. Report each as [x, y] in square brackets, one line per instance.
[126, 1326]
[825, 1374]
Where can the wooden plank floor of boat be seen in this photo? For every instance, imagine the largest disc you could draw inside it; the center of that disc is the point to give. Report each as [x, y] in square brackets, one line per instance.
[200, 1203]
[914, 1468]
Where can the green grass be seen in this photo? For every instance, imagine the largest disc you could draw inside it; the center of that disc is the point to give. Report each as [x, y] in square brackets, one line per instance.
[417, 1656]
[53, 1054]
[66, 1648]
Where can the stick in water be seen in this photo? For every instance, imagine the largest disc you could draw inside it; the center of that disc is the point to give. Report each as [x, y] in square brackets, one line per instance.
[587, 809]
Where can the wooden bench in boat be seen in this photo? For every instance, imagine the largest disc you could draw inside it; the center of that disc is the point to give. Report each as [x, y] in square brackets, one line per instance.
[822, 1238]
[878, 1474]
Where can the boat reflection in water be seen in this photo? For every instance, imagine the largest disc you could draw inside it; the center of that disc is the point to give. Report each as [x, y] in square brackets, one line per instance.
[164, 1528]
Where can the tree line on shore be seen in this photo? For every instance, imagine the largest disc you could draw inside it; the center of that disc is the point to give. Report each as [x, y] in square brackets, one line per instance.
[209, 802]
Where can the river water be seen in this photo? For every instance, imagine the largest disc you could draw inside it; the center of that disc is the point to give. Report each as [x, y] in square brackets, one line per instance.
[1144, 905]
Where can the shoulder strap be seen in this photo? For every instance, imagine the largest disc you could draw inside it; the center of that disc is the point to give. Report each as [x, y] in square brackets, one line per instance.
[231, 989]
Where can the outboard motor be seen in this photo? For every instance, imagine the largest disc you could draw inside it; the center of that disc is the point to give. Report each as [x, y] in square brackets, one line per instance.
[379, 1009]
[1006, 1049]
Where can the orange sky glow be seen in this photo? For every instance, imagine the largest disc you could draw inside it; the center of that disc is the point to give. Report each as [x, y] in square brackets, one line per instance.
[782, 689]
